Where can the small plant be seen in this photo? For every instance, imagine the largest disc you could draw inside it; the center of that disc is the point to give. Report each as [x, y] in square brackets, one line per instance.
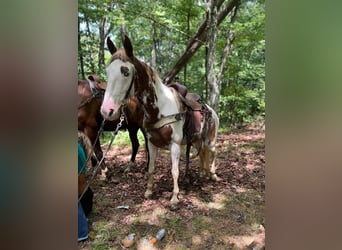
[174, 222]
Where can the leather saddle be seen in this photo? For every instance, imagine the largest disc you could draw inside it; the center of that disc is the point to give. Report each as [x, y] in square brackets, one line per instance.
[195, 111]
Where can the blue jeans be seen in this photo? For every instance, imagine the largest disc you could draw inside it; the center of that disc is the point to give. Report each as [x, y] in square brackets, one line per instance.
[82, 224]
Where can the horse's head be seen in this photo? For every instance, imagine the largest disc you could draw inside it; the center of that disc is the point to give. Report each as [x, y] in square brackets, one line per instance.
[120, 79]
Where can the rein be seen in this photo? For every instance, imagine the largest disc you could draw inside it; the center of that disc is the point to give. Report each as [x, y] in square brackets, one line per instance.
[115, 132]
[97, 94]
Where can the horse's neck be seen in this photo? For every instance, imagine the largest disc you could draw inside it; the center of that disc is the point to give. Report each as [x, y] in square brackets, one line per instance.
[166, 97]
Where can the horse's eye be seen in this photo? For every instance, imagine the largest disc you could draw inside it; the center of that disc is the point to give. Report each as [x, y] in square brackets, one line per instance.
[124, 71]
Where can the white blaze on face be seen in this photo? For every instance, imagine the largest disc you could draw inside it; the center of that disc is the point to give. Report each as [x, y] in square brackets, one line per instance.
[120, 75]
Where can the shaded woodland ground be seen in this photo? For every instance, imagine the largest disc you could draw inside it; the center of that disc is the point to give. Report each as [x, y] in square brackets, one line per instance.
[229, 214]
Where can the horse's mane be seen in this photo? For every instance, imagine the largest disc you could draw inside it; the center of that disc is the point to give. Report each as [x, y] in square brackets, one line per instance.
[86, 144]
[139, 65]
[120, 54]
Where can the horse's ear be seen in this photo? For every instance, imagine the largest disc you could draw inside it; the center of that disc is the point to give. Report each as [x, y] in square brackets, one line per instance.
[128, 46]
[94, 78]
[111, 46]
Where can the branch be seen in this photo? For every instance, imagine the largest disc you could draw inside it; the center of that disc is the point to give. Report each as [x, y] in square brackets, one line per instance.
[227, 48]
[196, 41]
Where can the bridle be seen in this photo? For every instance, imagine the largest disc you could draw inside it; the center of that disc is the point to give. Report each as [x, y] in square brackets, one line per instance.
[95, 94]
[130, 86]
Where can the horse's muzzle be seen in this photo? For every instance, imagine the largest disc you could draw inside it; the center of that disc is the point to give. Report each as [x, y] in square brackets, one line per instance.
[110, 111]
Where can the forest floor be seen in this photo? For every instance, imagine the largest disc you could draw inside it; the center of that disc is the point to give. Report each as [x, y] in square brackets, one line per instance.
[227, 214]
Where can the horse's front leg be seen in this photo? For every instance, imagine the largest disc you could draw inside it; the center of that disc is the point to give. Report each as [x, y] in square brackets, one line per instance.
[175, 155]
[133, 130]
[152, 158]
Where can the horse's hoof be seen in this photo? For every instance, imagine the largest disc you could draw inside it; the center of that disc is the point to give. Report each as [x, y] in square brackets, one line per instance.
[103, 175]
[174, 207]
[214, 177]
[128, 168]
[148, 194]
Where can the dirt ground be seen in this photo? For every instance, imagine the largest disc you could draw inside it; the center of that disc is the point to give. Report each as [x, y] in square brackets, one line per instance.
[228, 214]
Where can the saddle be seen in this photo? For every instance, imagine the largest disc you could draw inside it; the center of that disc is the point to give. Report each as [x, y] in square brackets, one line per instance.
[195, 111]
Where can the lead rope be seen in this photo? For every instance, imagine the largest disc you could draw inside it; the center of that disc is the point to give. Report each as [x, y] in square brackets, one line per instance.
[93, 146]
[115, 132]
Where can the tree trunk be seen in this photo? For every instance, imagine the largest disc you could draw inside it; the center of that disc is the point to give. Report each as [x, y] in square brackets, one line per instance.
[213, 91]
[90, 52]
[226, 51]
[198, 39]
[103, 34]
[80, 52]
[102, 38]
[154, 44]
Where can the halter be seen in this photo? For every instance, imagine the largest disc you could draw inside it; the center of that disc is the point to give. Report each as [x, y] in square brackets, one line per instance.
[97, 94]
[130, 86]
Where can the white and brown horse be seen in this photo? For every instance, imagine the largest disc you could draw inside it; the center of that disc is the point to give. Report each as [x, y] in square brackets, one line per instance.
[164, 113]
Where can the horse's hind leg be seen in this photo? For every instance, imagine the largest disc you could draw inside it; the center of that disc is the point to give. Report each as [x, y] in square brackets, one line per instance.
[204, 162]
[213, 175]
[208, 156]
[175, 155]
[188, 178]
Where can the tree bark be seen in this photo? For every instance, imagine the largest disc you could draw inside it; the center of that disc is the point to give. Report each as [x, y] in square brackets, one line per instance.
[90, 52]
[154, 45]
[198, 39]
[80, 52]
[213, 92]
[226, 51]
[102, 37]
[227, 48]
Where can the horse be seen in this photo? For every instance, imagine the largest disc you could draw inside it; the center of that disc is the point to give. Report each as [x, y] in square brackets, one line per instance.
[91, 93]
[165, 114]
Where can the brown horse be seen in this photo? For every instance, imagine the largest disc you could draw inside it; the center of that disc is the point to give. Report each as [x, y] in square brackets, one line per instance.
[166, 114]
[90, 93]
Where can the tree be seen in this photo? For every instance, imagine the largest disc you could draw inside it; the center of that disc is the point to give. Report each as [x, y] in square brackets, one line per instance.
[172, 36]
[198, 39]
[211, 82]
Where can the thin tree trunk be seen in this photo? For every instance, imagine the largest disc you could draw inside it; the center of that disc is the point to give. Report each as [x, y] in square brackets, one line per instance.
[226, 51]
[154, 44]
[198, 39]
[188, 31]
[103, 34]
[80, 52]
[227, 48]
[90, 52]
[102, 38]
[213, 91]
